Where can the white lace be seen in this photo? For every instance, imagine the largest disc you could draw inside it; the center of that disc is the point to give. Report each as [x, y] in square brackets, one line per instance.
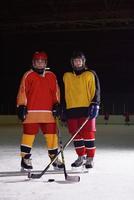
[58, 162]
[28, 162]
[89, 161]
[79, 160]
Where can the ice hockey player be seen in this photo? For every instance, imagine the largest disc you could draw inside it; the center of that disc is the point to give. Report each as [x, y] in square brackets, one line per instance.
[82, 99]
[37, 98]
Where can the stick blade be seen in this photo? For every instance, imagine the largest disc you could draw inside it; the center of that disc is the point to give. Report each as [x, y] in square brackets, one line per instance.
[73, 178]
[34, 176]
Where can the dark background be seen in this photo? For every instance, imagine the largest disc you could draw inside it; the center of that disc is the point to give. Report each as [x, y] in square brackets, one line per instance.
[103, 31]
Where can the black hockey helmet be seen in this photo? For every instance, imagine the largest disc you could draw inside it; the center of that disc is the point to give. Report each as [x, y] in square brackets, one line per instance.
[78, 54]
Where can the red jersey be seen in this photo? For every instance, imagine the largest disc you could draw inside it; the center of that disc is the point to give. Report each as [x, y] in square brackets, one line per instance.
[39, 94]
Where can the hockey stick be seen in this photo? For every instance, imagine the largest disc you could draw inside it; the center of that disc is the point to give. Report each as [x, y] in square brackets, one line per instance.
[67, 177]
[36, 176]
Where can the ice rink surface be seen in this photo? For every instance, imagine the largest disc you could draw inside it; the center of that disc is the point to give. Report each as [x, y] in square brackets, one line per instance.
[112, 177]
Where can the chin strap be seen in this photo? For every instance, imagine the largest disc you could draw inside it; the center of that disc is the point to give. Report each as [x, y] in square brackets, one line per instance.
[39, 71]
[78, 68]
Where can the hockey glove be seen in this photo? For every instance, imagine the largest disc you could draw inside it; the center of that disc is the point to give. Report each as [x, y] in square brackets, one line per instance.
[56, 110]
[21, 112]
[93, 111]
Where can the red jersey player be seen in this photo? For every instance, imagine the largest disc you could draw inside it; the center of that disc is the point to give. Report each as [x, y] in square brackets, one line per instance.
[38, 95]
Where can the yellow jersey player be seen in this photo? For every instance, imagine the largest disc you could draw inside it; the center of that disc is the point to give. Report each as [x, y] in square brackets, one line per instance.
[82, 99]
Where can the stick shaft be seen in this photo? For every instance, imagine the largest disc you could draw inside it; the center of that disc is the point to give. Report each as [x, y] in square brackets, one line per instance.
[54, 159]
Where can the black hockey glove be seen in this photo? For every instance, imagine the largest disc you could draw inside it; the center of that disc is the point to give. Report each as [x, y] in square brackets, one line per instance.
[56, 110]
[21, 112]
[93, 111]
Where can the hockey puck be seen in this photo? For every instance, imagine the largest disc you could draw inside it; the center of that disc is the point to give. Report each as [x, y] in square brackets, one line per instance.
[51, 180]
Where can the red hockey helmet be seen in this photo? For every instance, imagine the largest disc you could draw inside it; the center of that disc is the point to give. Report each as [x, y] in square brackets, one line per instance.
[40, 55]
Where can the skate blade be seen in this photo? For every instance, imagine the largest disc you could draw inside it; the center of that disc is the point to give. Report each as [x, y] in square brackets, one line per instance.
[82, 167]
[57, 168]
[25, 170]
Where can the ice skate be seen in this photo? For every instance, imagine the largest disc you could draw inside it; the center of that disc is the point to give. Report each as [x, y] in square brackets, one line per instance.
[26, 164]
[57, 164]
[79, 162]
[89, 163]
